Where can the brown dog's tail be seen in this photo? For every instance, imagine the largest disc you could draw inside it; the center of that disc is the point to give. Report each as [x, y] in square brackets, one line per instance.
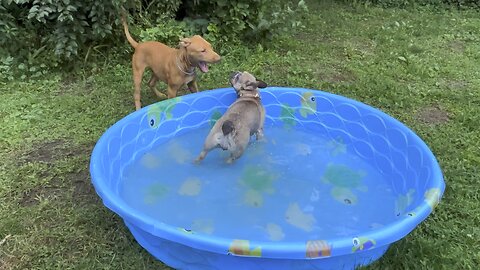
[125, 29]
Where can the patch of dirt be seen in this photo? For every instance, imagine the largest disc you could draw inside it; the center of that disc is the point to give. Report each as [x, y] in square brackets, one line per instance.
[51, 191]
[432, 115]
[83, 191]
[334, 74]
[8, 262]
[75, 86]
[457, 46]
[342, 77]
[44, 152]
[60, 183]
[364, 45]
[457, 85]
[50, 152]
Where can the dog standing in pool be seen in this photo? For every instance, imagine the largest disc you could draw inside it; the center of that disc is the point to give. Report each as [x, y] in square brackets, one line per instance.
[244, 118]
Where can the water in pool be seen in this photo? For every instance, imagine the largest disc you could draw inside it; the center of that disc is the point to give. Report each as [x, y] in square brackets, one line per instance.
[293, 186]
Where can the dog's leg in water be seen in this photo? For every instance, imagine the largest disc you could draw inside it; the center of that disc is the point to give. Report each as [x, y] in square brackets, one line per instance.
[201, 156]
[242, 139]
[209, 145]
[235, 154]
[151, 83]
[259, 135]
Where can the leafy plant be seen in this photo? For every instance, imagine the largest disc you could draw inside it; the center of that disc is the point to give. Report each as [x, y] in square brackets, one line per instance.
[405, 3]
[256, 20]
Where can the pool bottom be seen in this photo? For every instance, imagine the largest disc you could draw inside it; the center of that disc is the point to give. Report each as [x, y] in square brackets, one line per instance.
[179, 256]
[297, 185]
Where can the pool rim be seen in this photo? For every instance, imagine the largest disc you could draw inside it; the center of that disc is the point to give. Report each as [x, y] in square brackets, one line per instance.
[385, 235]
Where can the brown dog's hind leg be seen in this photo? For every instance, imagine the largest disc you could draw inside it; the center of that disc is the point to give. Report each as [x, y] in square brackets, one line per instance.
[138, 70]
[192, 86]
[151, 83]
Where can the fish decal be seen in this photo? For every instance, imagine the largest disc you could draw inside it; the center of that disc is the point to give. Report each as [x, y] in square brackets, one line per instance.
[309, 104]
[162, 108]
[432, 197]
[287, 115]
[318, 248]
[362, 243]
[242, 247]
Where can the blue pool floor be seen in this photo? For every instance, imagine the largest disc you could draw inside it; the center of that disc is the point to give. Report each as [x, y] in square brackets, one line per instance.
[293, 186]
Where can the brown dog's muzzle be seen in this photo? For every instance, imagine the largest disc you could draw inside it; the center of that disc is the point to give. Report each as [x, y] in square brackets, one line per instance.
[216, 58]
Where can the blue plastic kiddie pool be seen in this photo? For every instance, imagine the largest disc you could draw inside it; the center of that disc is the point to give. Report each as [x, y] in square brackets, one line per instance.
[334, 183]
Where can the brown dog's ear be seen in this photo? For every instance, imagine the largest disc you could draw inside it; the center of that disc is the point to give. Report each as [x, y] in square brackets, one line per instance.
[185, 42]
[261, 84]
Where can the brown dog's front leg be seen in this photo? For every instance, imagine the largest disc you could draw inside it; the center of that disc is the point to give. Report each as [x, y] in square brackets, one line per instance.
[151, 83]
[192, 86]
[172, 90]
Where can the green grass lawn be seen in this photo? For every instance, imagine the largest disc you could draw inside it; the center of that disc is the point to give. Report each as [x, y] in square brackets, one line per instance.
[421, 66]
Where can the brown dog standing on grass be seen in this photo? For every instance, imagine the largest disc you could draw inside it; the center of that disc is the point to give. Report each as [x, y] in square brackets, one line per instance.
[175, 67]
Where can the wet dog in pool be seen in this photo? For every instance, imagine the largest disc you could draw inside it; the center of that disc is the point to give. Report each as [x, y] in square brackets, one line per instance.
[244, 118]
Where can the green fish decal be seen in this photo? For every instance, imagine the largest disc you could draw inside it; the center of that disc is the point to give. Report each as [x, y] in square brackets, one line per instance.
[337, 147]
[344, 180]
[156, 111]
[342, 176]
[403, 202]
[214, 118]
[258, 179]
[362, 243]
[154, 193]
[309, 104]
[287, 115]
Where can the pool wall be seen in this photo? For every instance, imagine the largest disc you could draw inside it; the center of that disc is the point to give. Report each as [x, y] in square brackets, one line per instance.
[376, 137]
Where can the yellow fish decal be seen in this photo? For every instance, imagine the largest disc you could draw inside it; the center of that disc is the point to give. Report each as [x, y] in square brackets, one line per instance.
[309, 104]
[242, 247]
[432, 197]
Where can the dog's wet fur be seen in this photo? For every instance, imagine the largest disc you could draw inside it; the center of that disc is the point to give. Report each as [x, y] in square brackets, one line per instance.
[244, 118]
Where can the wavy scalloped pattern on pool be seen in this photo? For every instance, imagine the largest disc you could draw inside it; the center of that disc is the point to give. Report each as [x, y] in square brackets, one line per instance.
[376, 137]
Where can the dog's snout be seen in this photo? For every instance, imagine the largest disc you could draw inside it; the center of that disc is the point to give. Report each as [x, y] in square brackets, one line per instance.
[233, 75]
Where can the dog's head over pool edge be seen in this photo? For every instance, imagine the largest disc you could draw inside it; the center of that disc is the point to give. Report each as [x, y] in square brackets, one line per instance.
[244, 81]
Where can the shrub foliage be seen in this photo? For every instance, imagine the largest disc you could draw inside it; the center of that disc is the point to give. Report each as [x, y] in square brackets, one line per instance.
[404, 3]
[36, 35]
[57, 32]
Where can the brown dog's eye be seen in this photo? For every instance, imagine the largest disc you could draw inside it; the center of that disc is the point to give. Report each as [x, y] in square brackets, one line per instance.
[204, 50]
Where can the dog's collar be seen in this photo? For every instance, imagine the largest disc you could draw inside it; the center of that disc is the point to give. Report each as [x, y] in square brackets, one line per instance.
[189, 73]
[256, 95]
